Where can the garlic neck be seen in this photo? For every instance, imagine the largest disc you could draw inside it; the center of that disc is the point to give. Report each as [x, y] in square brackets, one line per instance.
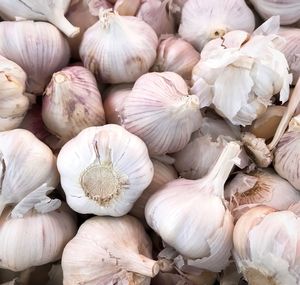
[255, 277]
[185, 103]
[105, 18]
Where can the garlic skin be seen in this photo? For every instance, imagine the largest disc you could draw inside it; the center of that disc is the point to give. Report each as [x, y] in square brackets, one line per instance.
[104, 170]
[123, 49]
[176, 55]
[45, 53]
[25, 164]
[40, 238]
[127, 7]
[72, 102]
[202, 21]
[109, 250]
[13, 103]
[266, 246]
[160, 112]
[204, 242]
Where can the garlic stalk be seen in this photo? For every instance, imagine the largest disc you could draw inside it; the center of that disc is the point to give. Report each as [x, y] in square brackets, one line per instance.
[109, 250]
[118, 49]
[199, 226]
[160, 112]
[25, 164]
[13, 103]
[104, 170]
[72, 102]
[127, 7]
[48, 10]
[47, 50]
[202, 21]
[35, 239]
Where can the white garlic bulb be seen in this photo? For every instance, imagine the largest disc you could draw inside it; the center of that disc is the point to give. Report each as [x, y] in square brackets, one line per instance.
[202, 21]
[266, 246]
[35, 239]
[160, 112]
[104, 170]
[39, 10]
[72, 102]
[118, 49]
[192, 217]
[13, 102]
[38, 47]
[25, 164]
[109, 250]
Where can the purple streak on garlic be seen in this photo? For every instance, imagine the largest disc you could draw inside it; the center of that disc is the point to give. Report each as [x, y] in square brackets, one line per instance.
[118, 49]
[38, 47]
[160, 111]
[72, 102]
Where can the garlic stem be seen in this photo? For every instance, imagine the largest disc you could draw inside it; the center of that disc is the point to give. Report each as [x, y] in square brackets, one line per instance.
[291, 108]
[65, 26]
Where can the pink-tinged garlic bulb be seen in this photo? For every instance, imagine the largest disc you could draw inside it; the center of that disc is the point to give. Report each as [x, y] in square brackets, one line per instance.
[109, 250]
[114, 101]
[266, 246]
[38, 47]
[192, 217]
[13, 103]
[118, 49]
[288, 10]
[176, 55]
[160, 111]
[35, 239]
[104, 170]
[158, 14]
[127, 7]
[72, 102]
[202, 21]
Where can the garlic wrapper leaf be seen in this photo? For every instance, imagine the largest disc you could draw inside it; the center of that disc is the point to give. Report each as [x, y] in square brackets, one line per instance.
[13, 103]
[266, 246]
[160, 112]
[228, 77]
[104, 170]
[38, 47]
[202, 21]
[35, 239]
[109, 250]
[127, 7]
[176, 55]
[118, 49]
[25, 164]
[192, 217]
[72, 103]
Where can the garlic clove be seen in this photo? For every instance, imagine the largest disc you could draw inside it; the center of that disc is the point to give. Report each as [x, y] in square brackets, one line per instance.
[104, 170]
[127, 7]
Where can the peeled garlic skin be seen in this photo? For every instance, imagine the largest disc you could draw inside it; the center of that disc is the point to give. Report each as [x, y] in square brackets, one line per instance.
[108, 251]
[118, 49]
[38, 47]
[202, 21]
[104, 170]
[35, 239]
[72, 102]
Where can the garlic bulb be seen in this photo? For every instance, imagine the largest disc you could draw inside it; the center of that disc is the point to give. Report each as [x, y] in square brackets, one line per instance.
[288, 10]
[127, 7]
[13, 103]
[262, 187]
[160, 112]
[118, 49]
[35, 239]
[199, 226]
[72, 103]
[202, 21]
[109, 250]
[25, 164]
[158, 14]
[38, 47]
[266, 245]
[163, 173]
[104, 170]
[113, 102]
[177, 55]
[50, 11]
[228, 78]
